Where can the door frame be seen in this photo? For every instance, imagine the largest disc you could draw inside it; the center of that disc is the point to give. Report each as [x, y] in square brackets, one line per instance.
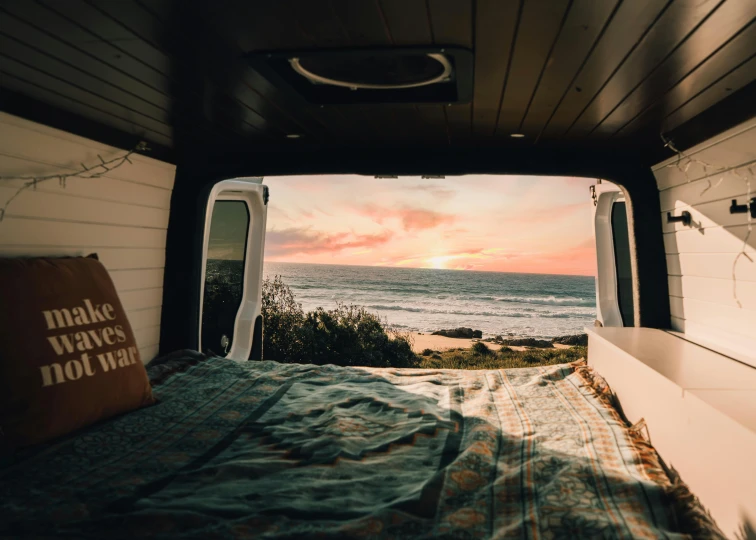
[252, 192]
[607, 298]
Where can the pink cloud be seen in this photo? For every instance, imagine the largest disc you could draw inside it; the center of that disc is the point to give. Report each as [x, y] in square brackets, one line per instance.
[304, 241]
[412, 219]
[436, 191]
[549, 213]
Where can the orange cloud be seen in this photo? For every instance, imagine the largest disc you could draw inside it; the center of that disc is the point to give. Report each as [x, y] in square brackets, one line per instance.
[412, 219]
[439, 192]
[304, 241]
[578, 260]
[549, 213]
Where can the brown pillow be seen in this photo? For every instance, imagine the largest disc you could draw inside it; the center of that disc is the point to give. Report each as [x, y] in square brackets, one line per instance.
[68, 357]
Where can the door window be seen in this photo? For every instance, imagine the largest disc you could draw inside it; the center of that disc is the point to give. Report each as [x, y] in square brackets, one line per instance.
[224, 275]
[614, 286]
[622, 263]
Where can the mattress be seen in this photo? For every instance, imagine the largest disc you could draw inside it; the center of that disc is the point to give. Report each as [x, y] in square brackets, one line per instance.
[262, 449]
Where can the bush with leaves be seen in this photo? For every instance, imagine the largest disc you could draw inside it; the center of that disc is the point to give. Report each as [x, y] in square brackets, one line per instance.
[347, 335]
[283, 320]
[480, 348]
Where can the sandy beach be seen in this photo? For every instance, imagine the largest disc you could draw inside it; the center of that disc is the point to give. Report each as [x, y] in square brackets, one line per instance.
[421, 341]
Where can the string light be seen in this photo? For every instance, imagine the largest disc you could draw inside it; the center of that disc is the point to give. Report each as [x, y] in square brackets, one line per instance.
[94, 171]
[747, 236]
[683, 164]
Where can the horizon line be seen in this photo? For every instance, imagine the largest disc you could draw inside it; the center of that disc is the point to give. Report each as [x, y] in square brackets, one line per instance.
[422, 268]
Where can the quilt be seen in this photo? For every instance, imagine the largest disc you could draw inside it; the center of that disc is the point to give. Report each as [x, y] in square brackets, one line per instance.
[262, 449]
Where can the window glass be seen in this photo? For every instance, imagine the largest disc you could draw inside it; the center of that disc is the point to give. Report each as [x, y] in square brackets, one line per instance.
[622, 263]
[224, 275]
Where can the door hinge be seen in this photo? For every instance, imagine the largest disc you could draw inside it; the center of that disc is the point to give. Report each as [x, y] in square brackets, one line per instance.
[266, 195]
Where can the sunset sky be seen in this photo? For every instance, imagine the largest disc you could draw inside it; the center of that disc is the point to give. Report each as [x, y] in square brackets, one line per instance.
[487, 223]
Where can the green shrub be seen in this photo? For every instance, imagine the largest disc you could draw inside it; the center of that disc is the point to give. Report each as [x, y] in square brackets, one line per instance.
[426, 352]
[550, 355]
[346, 336]
[480, 348]
[283, 320]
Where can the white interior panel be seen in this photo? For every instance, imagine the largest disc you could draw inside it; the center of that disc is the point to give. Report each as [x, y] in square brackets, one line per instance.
[726, 151]
[712, 298]
[123, 217]
[699, 409]
[713, 265]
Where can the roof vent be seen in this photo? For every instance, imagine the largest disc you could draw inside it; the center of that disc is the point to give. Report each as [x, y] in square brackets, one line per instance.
[398, 75]
[381, 72]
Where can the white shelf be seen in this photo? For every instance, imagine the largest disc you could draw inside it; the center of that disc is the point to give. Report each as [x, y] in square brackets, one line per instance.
[700, 409]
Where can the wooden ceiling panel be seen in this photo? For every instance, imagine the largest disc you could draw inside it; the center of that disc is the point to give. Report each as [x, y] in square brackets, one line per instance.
[98, 47]
[242, 22]
[540, 25]
[568, 73]
[667, 52]
[77, 58]
[586, 22]
[451, 23]
[730, 57]
[229, 84]
[318, 23]
[737, 79]
[406, 21]
[38, 85]
[364, 27]
[229, 78]
[626, 28]
[123, 23]
[495, 31]
[723, 25]
[17, 53]
[162, 10]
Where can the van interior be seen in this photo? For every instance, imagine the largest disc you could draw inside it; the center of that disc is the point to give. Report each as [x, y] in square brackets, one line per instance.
[126, 126]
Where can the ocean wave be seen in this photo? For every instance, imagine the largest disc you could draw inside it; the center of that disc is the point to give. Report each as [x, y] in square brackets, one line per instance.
[547, 301]
[444, 311]
[566, 316]
[515, 315]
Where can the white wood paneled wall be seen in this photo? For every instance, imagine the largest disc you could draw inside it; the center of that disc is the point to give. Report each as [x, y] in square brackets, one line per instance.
[123, 217]
[700, 258]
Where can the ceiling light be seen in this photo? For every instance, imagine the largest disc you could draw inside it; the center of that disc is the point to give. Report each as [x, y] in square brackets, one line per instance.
[293, 136]
[517, 135]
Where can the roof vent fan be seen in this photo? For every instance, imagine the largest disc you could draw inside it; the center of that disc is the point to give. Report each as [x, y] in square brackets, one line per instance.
[398, 75]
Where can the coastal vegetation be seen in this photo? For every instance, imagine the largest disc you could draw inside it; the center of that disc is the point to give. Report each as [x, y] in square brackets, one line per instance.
[346, 335]
[350, 335]
[476, 358]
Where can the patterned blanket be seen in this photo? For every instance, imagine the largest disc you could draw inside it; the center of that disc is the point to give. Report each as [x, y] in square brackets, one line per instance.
[261, 449]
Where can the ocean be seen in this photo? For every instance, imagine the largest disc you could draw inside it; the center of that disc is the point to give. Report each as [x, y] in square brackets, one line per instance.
[425, 300]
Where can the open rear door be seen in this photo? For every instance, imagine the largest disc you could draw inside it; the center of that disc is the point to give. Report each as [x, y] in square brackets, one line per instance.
[614, 286]
[232, 269]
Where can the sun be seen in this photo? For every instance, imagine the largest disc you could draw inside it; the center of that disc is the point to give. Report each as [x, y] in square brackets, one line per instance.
[438, 263]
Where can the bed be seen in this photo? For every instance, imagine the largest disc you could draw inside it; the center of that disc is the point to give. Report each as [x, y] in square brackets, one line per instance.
[261, 449]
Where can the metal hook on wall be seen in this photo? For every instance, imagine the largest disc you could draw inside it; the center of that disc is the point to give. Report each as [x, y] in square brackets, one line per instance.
[736, 208]
[685, 218]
